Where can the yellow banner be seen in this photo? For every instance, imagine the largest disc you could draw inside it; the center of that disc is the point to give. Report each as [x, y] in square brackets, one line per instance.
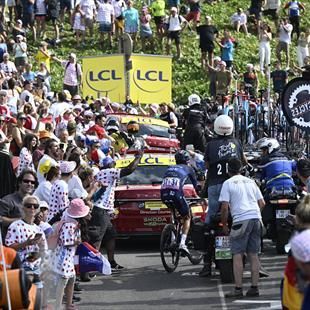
[150, 79]
[104, 76]
[147, 160]
[144, 120]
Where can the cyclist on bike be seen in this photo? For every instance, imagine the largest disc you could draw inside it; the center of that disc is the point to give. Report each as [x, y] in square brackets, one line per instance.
[172, 193]
[218, 151]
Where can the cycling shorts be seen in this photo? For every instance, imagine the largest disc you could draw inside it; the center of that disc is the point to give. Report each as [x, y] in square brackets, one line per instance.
[173, 199]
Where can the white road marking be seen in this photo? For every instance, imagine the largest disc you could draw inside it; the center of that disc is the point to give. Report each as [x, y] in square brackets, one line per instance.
[221, 294]
[189, 274]
[274, 304]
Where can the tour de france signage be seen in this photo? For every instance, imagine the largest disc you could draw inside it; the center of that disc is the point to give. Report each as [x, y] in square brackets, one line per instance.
[296, 102]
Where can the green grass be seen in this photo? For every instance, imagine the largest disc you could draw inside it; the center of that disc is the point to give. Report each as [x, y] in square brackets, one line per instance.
[188, 77]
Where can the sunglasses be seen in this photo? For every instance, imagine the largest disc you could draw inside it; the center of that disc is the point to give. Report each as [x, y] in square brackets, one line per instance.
[31, 205]
[29, 181]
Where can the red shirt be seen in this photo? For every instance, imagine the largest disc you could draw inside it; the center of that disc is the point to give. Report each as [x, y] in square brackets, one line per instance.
[97, 130]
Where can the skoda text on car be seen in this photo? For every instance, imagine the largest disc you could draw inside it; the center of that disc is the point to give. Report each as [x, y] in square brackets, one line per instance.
[157, 133]
[140, 211]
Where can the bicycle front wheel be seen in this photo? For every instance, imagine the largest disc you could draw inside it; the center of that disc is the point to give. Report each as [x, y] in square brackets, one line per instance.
[169, 252]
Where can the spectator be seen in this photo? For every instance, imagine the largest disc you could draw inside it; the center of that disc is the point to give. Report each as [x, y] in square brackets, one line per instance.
[279, 78]
[239, 20]
[264, 36]
[89, 8]
[53, 9]
[207, 35]
[73, 73]
[119, 7]
[194, 12]
[43, 191]
[50, 158]
[131, 19]
[28, 16]
[26, 96]
[41, 219]
[222, 79]
[18, 29]
[303, 45]
[245, 201]
[39, 151]
[29, 75]
[7, 66]
[78, 24]
[227, 47]
[255, 9]
[12, 204]
[146, 33]
[40, 17]
[250, 81]
[59, 199]
[66, 6]
[168, 115]
[272, 8]
[285, 31]
[18, 134]
[105, 17]
[12, 96]
[28, 239]
[4, 109]
[175, 24]
[294, 7]
[158, 12]
[73, 227]
[3, 48]
[43, 55]
[303, 172]
[30, 142]
[212, 75]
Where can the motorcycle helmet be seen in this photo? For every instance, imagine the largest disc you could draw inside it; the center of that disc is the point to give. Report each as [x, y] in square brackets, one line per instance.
[193, 99]
[182, 157]
[268, 143]
[223, 125]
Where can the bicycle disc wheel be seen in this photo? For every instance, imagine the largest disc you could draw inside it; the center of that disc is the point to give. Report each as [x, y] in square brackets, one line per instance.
[169, 252]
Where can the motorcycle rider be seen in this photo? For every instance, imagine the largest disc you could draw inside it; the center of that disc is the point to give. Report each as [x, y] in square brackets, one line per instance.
[172, 191]
[195, 119]
[218, 151]
[276, 173]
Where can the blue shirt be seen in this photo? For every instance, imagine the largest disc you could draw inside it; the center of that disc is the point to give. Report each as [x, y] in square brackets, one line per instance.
[227, 51]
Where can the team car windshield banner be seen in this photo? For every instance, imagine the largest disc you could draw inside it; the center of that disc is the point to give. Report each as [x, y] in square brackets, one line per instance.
[296, 103]
[149, 80]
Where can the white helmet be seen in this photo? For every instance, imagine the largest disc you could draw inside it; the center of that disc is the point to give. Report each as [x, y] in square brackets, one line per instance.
[193, 99]
[223, 125]
[268, 143]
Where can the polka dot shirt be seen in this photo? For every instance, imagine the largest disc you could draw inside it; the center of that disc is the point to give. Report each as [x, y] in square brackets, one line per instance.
[25, 161]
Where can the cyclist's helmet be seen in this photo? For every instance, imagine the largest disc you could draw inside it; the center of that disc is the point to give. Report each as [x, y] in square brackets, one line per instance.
[193, 99]
[270, 144]
[133, 127]
[182, 157]
[223, 125]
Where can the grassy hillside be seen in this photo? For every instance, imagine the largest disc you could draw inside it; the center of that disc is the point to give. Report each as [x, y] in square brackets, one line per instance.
[187, 74]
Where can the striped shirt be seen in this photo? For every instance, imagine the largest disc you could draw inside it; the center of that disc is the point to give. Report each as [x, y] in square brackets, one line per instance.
[72, 72]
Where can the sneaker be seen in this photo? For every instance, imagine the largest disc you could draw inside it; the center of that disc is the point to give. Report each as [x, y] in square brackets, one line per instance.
[263, 273]
[252, 292]
[205, 272]
[235, 293]
[115, 266]
[183, 248]
[77, 287]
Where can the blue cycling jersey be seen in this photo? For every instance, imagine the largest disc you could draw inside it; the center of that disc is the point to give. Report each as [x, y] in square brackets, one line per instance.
[276, 171]
[175, 178]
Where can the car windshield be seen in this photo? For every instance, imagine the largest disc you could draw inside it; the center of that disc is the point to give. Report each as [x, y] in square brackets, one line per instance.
[145, 175]
[153, 130]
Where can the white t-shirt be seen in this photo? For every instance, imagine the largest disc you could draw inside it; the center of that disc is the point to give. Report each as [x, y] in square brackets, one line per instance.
[18, 49]
[119, 7]
[174, 22]
[272, 4]
[59, 199]
[107, 178]
[105, 10]
[285, 33]
[27, 95]
[9, 68]
[58, 108]
[88, 7]
[41, 7]
[242, 194]
[42, 162]
[43, 191]
[239, 17]
[76, 183]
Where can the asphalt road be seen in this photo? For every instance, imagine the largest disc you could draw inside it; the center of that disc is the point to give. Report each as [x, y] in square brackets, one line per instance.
[145, 285]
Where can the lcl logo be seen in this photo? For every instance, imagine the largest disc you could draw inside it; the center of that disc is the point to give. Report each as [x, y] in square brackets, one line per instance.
[150, 81]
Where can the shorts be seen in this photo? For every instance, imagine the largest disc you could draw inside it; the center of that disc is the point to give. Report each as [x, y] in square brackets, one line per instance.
[73, 90]
[105, 27]
[245, 237]
[20, 61]
[65, 4]
[174, 35]
[174, 200]
[131, 28]
[207, 48]
[11, 3]
[173, 3]
[89, 23]
[273, 13]
[159, 20]
[283, 46]
[119, 23]
[195, 16]
[40, 17]
[28, 19]
[100, 228]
